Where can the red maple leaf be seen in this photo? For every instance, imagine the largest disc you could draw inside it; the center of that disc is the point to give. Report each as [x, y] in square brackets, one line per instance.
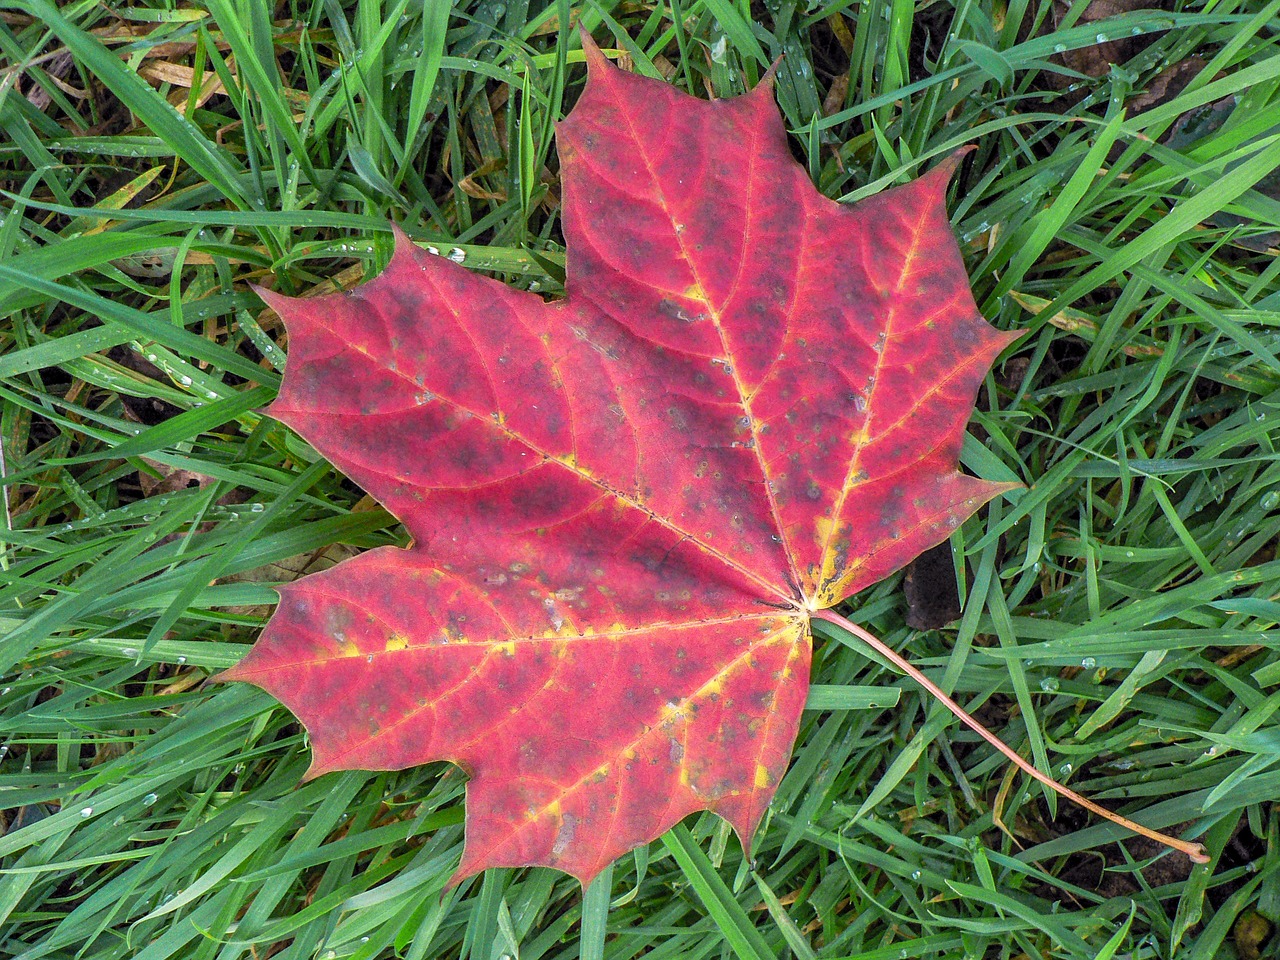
[626, 505]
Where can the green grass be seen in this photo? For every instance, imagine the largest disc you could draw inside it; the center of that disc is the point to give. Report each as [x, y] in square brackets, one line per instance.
[1120, 614]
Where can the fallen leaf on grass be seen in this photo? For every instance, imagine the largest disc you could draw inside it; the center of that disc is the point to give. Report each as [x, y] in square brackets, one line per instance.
[1083, 325]
[628, 504]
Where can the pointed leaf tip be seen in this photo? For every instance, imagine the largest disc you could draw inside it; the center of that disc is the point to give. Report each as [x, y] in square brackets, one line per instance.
[940, 176]
[770, 76]
[225, 676]
[597, 62]
[403, 240]
[275, 301]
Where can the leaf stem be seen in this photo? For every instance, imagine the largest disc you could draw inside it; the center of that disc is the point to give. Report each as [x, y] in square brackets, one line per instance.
[1193, 850]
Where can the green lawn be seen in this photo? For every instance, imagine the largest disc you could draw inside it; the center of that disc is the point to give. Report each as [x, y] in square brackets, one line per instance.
[158, 156]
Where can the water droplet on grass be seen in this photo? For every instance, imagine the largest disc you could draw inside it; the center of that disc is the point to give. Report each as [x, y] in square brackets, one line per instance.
[1088, 663]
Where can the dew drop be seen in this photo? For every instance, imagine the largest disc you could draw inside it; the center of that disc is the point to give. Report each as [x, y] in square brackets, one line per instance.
[1049, 685]
[1088, 663]
[1102, 38]
[457, 255]
[1065, 770]
[1059, 48]
[86, 812]
[149, 799]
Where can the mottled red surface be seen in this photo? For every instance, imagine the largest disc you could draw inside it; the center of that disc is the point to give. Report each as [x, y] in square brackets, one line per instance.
[625, 504]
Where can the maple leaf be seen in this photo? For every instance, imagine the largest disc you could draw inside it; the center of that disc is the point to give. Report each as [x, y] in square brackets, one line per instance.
[626, 506]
